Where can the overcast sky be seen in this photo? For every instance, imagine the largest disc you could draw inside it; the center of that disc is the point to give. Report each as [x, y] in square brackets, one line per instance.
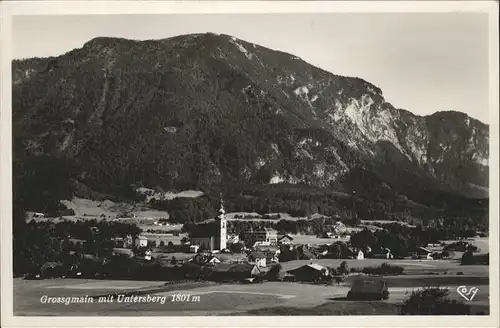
[422, 62]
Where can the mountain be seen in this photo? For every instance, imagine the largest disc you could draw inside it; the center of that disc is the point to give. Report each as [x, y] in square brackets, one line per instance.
[200, 110]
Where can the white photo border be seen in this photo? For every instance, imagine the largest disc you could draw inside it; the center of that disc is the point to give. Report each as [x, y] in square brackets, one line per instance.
[9, 9]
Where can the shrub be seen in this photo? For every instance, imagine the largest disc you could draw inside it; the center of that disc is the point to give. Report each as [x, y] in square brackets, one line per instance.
[467, 258]
[384, 270]
[236, 247]
[273, 273]
[333, 271]
[343, 269]
[433, 301]
[470, 259]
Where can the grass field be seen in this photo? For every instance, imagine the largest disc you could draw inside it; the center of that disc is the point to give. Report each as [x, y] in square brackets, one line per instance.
[269, 298]
[164, 228]
[386, 222]
[90, 209]
[410, 266]
[313, 240]
[330, 308]
[159, 237]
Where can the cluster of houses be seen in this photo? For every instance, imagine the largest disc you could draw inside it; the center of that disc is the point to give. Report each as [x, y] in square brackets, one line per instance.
[263, 246]
[208, 248]
[260, 249]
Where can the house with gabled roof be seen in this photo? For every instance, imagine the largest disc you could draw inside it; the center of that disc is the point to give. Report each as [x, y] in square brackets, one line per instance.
[309, 272]
[233, 271]
[285, 239]
[265, 236]
[205, 259]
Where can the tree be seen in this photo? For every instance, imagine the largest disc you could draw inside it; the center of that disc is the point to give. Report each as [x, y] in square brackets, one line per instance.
[467, 258]
[184, 240]
[273, 273]
[170, 247]
[363, 238]
[162, 244]
[236, 247]
[343, 269]
[173, 261]
[352, 222]
[336, 251]
[433, 301]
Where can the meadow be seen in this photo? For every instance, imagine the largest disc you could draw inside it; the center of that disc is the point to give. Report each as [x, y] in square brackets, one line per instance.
[266, 298]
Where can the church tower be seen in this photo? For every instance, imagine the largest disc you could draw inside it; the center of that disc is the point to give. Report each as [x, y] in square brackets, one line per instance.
[222, 227]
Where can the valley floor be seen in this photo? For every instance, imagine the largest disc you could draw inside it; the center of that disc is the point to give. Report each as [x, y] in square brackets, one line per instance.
[269, 298]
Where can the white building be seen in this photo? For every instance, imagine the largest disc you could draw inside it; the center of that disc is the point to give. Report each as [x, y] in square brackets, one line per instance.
[264, 236]
[285, 240]
[141, 241]
[194, 248]
[339, 228]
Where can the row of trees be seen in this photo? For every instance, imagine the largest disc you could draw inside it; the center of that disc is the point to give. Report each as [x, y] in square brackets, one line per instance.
[35, 243]
[304, 201]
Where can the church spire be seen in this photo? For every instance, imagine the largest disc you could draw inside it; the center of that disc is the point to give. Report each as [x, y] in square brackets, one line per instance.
[222, 212]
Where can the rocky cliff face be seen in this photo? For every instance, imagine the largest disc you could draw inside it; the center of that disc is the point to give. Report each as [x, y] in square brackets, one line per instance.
[197, 110]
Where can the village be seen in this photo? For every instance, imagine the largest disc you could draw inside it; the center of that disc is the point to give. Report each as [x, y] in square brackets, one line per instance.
[209, 252]
[235, 262]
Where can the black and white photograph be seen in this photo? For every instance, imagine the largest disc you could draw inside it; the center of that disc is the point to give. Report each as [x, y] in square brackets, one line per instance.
[260, 164]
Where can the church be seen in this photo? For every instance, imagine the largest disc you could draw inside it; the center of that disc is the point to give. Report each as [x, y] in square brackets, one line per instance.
[211, 236]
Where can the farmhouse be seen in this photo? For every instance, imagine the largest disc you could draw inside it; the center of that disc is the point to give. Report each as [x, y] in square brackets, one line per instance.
[141, 241]
[360, 255]
[120, 242]
[263, 259]
[285, 240]
[205, 259]
[259, 258]
[339, 228]
[422, 253]
[233, 272]
[368, 289]
[194, 248]
[264, 236]
[383, 253]
[309, 272]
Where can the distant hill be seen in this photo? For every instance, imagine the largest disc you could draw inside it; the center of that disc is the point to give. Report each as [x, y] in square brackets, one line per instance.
[204, 110]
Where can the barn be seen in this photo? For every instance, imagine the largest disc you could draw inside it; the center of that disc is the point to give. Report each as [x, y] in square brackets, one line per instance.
[309, 272]
[368, 289]
[233, 272]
